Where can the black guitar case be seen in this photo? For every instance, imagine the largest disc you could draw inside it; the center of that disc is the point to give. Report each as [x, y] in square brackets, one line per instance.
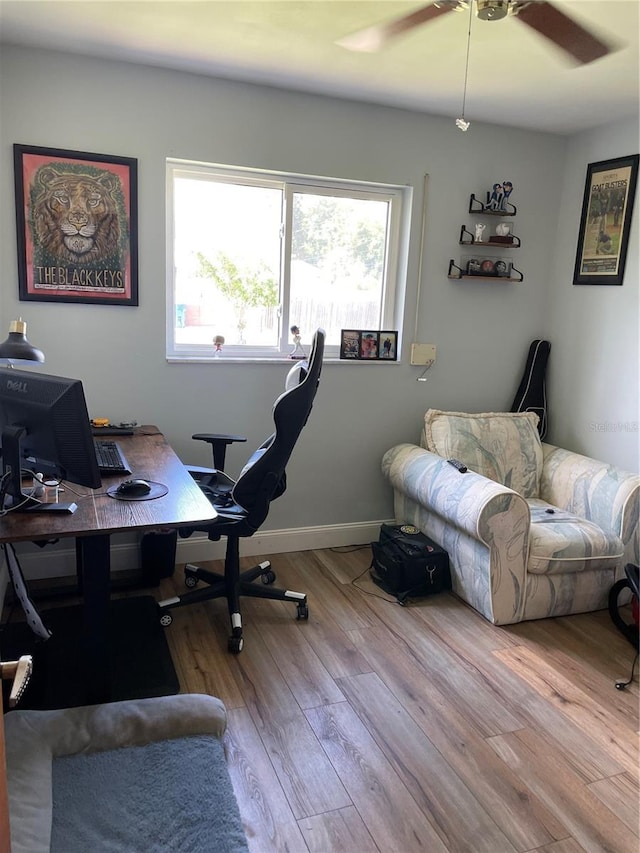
[531, 395]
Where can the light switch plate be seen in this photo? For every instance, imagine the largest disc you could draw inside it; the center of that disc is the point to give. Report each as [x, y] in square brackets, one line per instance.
[423, 353]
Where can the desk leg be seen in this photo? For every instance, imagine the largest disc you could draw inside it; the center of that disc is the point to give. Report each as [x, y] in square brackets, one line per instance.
[93, 555]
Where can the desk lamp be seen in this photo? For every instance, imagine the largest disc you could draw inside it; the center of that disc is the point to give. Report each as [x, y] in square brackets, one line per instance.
[17, 349]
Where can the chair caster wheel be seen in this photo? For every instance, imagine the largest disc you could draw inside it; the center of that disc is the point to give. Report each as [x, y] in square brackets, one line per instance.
[190, 581]
[268, 577]
[303, 611]
[235, 644]
[166, 619]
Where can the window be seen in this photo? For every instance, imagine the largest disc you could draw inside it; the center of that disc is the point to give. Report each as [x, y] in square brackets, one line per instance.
[251, 254]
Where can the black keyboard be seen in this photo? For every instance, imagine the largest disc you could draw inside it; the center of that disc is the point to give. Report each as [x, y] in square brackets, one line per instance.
[111, 459]
[112, 430]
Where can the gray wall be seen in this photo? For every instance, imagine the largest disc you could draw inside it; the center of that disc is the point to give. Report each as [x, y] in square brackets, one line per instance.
[482, 329]
[595, 330]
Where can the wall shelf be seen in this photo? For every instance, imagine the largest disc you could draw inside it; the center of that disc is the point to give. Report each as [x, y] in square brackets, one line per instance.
[467, 239]
[456, 273]
[482, 266]
[476, 206]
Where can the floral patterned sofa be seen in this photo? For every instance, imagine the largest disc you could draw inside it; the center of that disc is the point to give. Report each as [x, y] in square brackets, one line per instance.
[532, 530]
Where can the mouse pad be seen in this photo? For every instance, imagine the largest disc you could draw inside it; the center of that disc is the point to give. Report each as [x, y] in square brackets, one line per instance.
[158, 490]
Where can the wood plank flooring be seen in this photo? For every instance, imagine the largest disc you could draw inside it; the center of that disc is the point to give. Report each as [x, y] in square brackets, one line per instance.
[376, 727]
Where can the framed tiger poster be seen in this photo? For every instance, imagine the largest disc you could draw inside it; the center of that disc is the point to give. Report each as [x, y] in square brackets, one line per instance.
[76, 217]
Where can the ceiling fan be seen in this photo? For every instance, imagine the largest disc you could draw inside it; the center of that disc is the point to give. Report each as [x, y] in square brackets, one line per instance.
[543, 17]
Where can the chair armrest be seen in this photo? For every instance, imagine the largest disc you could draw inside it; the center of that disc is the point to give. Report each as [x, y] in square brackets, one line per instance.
[602, 493]
[218, 442]
[200, 469]
[468, 501]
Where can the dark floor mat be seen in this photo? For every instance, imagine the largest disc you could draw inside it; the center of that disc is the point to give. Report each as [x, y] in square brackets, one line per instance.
[140, 660]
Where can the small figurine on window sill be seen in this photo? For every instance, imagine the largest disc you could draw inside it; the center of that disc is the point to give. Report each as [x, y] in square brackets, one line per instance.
[218, 341]
[297, 351]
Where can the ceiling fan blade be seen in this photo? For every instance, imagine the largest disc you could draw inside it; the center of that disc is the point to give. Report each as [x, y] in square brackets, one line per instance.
[553, 24]
[372, 39]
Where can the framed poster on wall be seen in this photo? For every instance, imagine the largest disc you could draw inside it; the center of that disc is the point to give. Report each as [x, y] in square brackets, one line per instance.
[605, 222]
[76, 219]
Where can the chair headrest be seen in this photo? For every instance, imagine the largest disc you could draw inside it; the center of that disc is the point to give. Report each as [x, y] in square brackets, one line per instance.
[263, 475]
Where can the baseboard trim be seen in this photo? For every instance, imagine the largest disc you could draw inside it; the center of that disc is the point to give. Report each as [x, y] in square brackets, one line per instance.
[198, 547]
[59, 560]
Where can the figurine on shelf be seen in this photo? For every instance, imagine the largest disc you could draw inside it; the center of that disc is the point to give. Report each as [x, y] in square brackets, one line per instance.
[217, 342]
[297, 351]
[507, 189]
[494, 198]
[479, 232]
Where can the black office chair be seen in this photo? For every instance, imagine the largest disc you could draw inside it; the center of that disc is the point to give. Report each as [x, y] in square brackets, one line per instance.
[243, 505]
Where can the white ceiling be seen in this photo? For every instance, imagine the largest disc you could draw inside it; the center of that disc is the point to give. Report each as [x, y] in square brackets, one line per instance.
[516, 77]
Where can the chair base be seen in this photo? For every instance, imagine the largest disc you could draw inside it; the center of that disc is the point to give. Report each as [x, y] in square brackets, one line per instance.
[224, 586]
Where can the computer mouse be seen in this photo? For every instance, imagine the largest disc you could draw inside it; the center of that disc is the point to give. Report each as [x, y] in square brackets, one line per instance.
[133, 488]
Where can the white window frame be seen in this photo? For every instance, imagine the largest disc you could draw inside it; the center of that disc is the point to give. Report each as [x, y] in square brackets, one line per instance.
[392, 302]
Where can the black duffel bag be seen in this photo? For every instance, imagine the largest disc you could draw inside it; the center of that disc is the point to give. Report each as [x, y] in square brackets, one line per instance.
[408, 564]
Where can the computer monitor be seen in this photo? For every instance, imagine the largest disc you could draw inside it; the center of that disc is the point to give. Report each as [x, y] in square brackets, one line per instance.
[45, 428]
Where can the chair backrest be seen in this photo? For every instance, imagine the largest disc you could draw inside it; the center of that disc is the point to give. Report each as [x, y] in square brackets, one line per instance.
[263, 478]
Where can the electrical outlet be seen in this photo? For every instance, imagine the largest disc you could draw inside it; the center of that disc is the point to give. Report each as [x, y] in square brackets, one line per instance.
[423, 353]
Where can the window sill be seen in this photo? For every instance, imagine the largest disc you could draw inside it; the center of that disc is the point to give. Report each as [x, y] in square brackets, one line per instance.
[173, 359]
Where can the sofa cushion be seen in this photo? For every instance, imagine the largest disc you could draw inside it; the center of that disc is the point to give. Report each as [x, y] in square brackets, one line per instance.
[176, 795]
[503, 446]
[561, 542]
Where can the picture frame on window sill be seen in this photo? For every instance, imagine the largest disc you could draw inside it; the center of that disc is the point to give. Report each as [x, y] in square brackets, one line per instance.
[350, 344]
[605, 221]
[76, 219]
[368, 345]
[388, 348]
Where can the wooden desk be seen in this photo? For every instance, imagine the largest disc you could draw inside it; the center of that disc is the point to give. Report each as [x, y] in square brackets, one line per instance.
[98, 517]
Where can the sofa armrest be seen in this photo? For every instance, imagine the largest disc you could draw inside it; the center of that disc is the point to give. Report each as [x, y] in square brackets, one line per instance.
[468, 501]
[132, 722]
[602, 493]
[483, 526]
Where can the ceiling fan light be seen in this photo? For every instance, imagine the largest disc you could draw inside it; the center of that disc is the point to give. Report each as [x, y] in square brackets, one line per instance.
[492, 10]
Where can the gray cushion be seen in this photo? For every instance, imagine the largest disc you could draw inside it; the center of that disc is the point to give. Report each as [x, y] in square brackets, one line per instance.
[169, 795]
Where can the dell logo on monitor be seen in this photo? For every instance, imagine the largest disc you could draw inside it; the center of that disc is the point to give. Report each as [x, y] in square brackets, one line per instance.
[20, 387]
